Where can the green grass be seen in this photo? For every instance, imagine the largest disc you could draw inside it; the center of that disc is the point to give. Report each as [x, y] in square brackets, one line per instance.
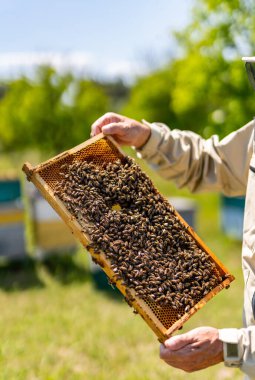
[56, 325]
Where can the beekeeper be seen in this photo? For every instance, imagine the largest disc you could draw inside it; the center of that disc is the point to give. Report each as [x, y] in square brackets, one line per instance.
[203, 165]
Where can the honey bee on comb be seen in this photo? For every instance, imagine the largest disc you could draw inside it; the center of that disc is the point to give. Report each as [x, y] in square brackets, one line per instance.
[163, 269]
[148, 247]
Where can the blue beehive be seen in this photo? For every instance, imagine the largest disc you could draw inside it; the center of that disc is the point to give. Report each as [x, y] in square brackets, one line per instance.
[232, 213]
[12, 226]
[9, 190]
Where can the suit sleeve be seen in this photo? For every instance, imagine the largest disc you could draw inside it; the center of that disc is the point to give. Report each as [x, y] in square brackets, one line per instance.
[199, 164]
[245, 339]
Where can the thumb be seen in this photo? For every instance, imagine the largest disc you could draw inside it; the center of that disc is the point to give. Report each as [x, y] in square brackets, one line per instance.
[177, 342]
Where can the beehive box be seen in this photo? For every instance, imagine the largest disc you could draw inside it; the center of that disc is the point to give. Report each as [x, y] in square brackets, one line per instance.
[180, 275]
[12, 231]
[48, 232]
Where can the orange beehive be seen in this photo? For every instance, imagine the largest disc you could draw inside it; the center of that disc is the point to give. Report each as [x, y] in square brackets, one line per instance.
[163, 320]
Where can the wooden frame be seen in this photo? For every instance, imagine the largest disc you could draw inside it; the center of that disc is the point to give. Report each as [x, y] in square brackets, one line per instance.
[146, 310]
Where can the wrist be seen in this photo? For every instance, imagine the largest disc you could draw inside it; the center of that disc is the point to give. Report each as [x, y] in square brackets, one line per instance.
[145, 136]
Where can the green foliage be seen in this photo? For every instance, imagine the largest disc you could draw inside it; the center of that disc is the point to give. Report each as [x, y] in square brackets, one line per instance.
[51, 113]
[151, 98]
[205, 89]
[90, 102]
[211, 95]
[117, 92]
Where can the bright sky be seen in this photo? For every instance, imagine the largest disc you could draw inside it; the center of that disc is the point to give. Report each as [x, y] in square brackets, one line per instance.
[100, 37]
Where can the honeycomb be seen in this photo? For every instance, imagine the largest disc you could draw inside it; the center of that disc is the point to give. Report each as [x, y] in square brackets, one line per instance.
[100, 151]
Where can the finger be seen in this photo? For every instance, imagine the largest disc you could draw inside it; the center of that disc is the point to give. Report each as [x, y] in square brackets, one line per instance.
[177, 342]
[95, 130]
[169, 356]
[98, 124]
[113, 129]
[163, 352]
[107, 118]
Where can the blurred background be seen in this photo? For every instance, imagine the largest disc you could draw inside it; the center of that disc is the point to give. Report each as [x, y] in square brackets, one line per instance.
[62, 65]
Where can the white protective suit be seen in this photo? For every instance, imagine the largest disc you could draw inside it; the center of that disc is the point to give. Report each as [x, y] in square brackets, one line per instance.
[227, 166]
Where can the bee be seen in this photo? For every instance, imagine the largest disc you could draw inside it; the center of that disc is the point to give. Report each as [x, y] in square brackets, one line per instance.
[142, 237]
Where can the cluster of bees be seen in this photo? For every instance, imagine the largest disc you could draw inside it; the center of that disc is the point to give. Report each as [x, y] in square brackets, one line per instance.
[148, 247]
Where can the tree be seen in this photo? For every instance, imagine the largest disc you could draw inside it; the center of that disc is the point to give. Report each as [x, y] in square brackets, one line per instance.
[52, 113]
[211, 74]
[151, 97]
[204, 88]
[220, 28]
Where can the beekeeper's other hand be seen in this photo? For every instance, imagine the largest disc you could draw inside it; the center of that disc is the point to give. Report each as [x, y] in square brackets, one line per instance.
[197, 349]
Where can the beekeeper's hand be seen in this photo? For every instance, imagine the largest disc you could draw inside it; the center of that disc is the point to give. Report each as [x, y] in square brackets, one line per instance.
[197, 349]
[124, 130]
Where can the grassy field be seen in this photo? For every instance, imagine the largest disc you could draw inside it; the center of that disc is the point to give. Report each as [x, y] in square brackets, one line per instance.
[56, 324]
